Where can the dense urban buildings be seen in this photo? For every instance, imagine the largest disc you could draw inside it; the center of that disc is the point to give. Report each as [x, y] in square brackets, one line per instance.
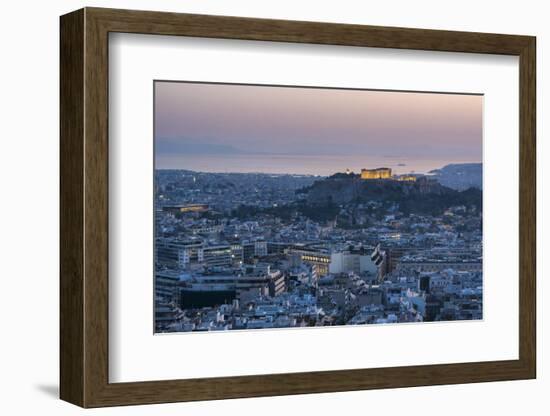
[299, 206]
[259, 250]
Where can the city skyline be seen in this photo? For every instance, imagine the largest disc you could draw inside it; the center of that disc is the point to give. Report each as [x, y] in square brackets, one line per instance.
[260, 223]
[267, 129]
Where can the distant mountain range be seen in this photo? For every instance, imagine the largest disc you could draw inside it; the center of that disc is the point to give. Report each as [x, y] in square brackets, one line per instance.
[460, 176]
[178, 146]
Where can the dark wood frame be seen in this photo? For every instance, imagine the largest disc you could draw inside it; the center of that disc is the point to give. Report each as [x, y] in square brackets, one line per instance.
[84, 208]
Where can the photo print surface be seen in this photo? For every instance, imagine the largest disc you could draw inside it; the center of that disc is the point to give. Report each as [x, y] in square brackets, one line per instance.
[296, 207]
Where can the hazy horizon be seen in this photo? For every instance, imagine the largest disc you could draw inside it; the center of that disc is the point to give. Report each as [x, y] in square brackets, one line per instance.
[315, 167]
[299, 130]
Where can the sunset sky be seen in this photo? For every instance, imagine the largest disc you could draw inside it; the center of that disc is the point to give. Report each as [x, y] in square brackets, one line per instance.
[221, 127]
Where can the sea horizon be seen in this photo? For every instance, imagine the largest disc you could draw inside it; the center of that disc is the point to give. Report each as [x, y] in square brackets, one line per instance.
[314, 165]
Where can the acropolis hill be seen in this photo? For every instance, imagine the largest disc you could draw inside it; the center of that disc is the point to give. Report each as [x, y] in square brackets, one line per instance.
[423, 192]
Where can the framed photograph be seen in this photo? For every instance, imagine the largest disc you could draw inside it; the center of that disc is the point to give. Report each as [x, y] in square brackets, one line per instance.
[255, 207]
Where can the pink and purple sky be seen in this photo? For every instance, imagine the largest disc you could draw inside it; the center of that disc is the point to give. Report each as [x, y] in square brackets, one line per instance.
[246, 128]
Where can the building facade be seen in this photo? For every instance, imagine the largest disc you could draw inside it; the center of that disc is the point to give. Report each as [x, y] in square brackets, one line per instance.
[379, 173]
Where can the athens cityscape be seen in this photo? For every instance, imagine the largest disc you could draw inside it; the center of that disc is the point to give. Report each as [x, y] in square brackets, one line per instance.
[294, 207]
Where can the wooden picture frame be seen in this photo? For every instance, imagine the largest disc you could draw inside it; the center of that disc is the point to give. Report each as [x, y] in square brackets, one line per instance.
[84, 207]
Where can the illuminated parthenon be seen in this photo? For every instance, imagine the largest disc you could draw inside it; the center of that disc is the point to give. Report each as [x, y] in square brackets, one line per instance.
[379, 173]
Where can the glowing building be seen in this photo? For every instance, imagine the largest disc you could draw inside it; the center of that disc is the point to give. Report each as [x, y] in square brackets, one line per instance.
[186, 208]
[407, 178]
[379, 173]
